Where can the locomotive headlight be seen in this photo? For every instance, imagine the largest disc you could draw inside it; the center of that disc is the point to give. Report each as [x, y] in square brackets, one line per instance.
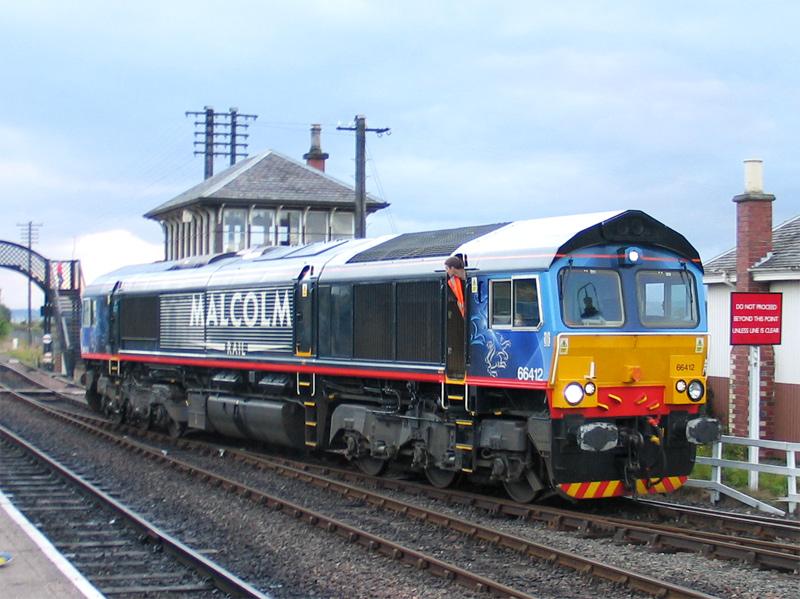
[573, 393]
[629, 256]
[590, 388]
[696, 390]
[680, 386]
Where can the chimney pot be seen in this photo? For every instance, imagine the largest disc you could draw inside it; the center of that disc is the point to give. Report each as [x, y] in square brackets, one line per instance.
[316, 131]
[754, 175]
[315, 157]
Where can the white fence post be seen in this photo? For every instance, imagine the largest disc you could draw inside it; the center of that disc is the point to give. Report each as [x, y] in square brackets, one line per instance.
[716, 471]
[792, 481]
[755, 413]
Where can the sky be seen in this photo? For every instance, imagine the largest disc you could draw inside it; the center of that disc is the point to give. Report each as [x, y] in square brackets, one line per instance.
[498, 110]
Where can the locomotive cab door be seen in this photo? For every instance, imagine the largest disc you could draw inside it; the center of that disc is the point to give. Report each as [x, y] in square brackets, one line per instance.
[456, 332]
[113, 319]
[304, 317]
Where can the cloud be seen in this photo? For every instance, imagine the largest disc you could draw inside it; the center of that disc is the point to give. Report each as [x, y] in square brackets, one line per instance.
[36, 178]
[488, 189]
[106, 251]
[99, 253]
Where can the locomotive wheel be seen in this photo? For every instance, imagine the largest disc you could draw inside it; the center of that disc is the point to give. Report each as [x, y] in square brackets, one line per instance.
[520, 490]
[372, 466]
[94, 399]
[439, 478]
[116, 414]
[143, 423]
[176, 429]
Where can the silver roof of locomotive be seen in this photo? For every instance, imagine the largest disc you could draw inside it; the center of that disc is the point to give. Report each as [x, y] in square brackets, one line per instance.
[525, 245]
[528, 244]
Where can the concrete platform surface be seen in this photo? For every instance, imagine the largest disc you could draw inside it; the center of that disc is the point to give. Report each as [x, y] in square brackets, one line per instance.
[37, 570]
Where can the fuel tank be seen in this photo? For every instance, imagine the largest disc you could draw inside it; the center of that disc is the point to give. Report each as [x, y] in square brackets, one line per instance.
[279, 423]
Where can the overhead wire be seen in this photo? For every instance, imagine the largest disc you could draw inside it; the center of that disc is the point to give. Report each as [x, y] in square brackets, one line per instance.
[381, 191]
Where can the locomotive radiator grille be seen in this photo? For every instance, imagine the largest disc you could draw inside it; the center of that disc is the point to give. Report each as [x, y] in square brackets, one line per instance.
[231, 321]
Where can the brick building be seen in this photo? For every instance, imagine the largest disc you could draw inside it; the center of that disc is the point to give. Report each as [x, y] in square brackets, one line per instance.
[765, 259]
[266, 199]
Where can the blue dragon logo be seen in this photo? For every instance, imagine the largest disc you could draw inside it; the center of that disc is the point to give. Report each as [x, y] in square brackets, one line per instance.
[497, 355]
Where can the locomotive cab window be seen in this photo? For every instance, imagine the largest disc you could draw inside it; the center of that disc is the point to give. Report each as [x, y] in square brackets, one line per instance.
[666, 298]
[591, 297]
[514, 304]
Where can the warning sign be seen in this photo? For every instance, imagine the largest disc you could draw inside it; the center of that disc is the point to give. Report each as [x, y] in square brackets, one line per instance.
[756, 318]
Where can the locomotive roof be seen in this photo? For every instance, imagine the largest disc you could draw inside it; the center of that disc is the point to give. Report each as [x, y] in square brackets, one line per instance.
[521, 245]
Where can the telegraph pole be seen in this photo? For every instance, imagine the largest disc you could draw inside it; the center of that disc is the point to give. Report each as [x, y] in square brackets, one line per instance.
[209, 143]
[228, 144]
[30, 235]
[233, 113]
[361, 168]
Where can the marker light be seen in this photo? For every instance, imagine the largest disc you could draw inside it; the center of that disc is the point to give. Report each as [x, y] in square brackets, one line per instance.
[696, 390]
[680, 386]
[573, 393]
[590, 388]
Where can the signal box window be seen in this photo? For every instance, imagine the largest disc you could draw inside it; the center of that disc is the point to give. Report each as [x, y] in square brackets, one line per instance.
[289, 227]
[514, 304]
[591, 297]
[666, 298]
[262, 228]
[316, 226]
[234, 221]
[342, 225]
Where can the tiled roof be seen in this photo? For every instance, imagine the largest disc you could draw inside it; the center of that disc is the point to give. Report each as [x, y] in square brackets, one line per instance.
[268, 177]
[785, 253]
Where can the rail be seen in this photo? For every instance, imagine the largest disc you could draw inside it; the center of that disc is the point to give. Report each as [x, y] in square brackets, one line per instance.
[223, 579]
[752, 465]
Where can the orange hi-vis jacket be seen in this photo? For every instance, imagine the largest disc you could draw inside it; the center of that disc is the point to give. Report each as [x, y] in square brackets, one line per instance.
[457, 287]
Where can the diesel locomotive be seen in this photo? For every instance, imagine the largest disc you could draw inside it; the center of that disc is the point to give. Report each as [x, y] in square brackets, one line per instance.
[574, 362]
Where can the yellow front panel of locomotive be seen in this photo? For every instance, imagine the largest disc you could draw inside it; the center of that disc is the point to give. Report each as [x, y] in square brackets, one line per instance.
[635, 360]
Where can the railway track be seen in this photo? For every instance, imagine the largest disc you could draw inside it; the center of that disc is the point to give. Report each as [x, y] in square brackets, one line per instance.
[754, 525]
[751, 538]
[352, 534]
[117, 550]
[774, 554]
[471, 530]
[753, 542]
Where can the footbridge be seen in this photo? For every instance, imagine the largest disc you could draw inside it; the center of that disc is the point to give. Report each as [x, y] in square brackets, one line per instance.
[61, 281]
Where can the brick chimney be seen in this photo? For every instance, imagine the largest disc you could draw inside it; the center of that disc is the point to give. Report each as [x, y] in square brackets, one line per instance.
[753, 243]
[315, 157]
[753, 225]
